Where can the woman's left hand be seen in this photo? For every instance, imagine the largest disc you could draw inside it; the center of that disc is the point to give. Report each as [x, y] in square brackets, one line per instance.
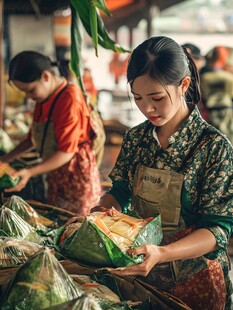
[24, 175]
[152, 255]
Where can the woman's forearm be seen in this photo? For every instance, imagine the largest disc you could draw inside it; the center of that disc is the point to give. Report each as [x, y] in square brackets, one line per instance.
[53, 162]
[24, 146]
[198, 243]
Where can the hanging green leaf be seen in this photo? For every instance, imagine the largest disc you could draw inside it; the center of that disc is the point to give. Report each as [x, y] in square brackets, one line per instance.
[86, 12]
[93, 26]
[76, 42]
[100, 4]
[83, 9]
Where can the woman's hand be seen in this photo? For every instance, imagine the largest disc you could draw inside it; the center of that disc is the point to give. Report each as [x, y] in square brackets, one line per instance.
[99, 209]
[24, 175]
[152, 256]
[194, 245]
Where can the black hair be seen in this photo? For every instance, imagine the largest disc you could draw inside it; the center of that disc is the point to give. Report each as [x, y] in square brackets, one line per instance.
[28, 66]
[164, 60]
[64, 68]
[193, 50]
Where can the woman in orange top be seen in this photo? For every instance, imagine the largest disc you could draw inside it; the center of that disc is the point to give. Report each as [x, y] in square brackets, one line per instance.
[61, 132]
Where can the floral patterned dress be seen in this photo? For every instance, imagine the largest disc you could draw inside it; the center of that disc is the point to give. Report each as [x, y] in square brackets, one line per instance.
[74, 186]
[206, 198]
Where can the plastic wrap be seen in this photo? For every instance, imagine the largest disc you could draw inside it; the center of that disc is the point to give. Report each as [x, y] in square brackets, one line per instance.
[15, 252]
[12, 225]
[6, 180]
[87, 302]
[40, 283]
[27, 212]
[99, 291]
[82, 303]
[104, 237]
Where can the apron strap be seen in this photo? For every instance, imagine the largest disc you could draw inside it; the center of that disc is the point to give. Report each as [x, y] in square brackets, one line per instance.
[49, 118]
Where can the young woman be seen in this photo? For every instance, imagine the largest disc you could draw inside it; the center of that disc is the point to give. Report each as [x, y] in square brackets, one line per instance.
[179, 166]
[61, 132]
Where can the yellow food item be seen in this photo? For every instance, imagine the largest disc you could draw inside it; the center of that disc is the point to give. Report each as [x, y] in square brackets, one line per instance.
[6, 169]
[121, 228]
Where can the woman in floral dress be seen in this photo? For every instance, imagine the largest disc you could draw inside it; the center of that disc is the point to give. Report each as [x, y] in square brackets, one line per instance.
[177, 165]
[61, 132]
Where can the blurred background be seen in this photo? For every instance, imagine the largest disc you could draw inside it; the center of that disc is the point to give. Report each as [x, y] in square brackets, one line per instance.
[44, 26]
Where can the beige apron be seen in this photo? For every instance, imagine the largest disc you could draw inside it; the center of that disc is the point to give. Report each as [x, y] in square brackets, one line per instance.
[49, 144]
[158, 191]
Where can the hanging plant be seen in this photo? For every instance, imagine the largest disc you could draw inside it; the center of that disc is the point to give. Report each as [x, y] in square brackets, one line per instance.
[86, 13]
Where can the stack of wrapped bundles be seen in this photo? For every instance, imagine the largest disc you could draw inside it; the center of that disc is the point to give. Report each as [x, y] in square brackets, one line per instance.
[39, 281]
[27, 213]
[42, 283]
[22, 232]
[103, 238]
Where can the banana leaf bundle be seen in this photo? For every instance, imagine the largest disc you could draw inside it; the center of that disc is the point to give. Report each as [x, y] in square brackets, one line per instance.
[103, 238]
[39, 283]
[28, 213]
[15, 252]
[6, 178]
[12, 225]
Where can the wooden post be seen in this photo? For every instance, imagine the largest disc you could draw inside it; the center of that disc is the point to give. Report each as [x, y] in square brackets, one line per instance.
[2, 86]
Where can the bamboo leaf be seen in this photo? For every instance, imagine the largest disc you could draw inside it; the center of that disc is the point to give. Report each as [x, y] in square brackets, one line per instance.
[86, 12]
[83, 9]
[76, 42]
[93, 26]
[100, 4]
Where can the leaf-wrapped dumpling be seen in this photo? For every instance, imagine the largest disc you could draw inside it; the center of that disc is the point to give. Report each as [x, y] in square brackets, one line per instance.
[39, 283]
[12, 225]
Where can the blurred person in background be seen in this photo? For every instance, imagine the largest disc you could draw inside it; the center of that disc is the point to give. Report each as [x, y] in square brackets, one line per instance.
[61, 132]
[92, 92]
[217, 89]
[118, 67]
[90, 87]
[195, 52]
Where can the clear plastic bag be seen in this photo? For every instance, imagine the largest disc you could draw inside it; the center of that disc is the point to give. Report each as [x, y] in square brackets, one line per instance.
[12, 225]
[15, 252]
[82, 303]
[39, 283]
[28, 213]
